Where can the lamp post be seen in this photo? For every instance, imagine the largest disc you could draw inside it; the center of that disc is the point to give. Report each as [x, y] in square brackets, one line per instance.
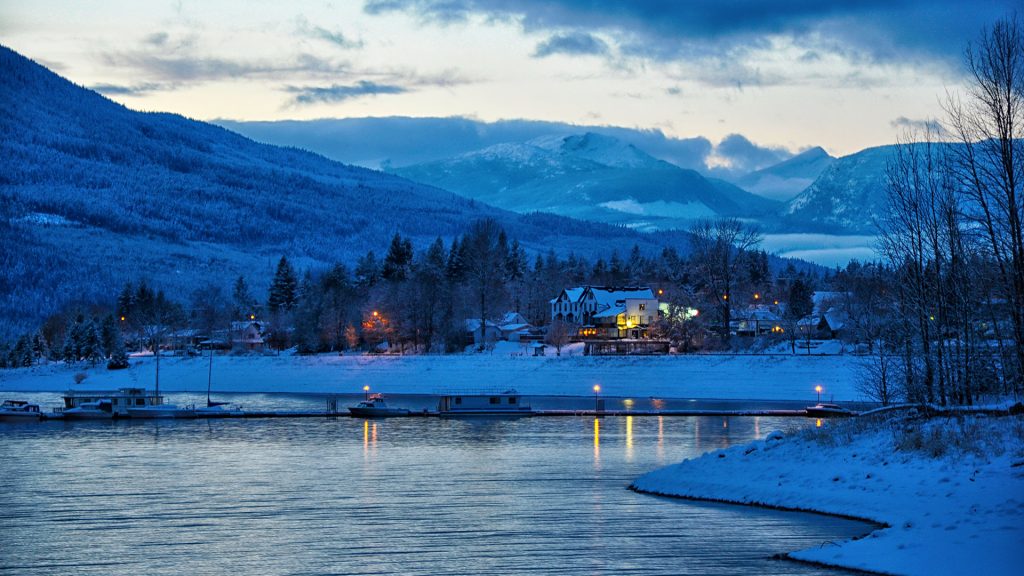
[366, 392]
[818, 390]
[598, 401]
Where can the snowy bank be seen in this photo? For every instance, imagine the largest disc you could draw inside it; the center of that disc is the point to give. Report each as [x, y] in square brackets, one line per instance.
[949, 491]
[779, 377]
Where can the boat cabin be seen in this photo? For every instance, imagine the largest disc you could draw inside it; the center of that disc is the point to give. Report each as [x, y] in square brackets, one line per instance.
[19, 406]
[120, 400]
[508, 402]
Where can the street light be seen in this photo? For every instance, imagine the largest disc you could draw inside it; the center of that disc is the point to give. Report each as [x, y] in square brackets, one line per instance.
[598, 401]
[818, 390]
[366, 392]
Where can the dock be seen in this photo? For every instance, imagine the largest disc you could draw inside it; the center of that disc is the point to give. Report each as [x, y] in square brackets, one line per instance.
[436, 414]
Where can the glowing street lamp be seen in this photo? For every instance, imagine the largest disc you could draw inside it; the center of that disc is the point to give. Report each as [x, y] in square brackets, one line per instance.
[818, 390]
[366, 392]
[757, 295]
[598, 401]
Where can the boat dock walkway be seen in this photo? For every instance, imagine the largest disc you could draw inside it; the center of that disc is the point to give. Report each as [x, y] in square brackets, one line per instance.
[436, 414]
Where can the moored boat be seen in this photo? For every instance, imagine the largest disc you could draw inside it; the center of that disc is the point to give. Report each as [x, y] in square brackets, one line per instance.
[375, 407]
[505, 404]
[19, 411]
[98, 404]
[822, 410]
[162, 411]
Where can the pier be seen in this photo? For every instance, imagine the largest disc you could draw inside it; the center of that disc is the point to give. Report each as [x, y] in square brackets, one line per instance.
[436, 414]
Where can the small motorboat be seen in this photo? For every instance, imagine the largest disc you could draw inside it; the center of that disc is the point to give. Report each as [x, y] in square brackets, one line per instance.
[19, 411]
[375, 407]
[101, 409]
[162, 411]
[822, 410]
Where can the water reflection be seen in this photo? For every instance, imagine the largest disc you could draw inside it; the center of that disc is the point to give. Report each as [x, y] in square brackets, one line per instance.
[629, 438]
[597, 443]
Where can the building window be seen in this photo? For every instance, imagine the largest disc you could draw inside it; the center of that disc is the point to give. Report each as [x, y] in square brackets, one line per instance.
[643, 307]
[495, 400]
[458, 399]
[511, 399]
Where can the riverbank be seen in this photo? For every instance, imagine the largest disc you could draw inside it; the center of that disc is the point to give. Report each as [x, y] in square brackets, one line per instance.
[764, 377]
[948, 491]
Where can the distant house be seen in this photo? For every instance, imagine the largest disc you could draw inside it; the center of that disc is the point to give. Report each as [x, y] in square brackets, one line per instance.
[828, 319]
[246, 335]
[607, 312]
[514, 327]
[755, 320]
[491, 332]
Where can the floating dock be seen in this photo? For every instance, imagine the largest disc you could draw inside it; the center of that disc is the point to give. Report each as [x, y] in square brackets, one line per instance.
[436, 414]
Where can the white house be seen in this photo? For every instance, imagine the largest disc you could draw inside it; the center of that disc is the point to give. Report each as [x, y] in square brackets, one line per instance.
[607, 312]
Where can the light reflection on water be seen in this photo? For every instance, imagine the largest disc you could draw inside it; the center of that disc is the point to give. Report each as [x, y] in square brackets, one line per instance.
[410, 496]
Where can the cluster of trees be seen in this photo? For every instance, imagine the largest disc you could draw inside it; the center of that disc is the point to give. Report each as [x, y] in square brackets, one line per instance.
[952, 321]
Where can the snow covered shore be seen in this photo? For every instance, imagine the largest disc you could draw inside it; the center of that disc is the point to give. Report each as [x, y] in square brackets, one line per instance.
[779, 377]
[950, 491]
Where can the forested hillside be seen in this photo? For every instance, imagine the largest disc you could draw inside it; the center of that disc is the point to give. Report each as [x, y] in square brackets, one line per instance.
[93, 194]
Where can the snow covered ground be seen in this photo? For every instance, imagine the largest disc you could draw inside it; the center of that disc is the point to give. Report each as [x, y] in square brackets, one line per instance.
[950, 491]
[778, 377]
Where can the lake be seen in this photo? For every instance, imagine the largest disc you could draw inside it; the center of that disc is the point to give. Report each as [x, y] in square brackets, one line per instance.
[352, 496]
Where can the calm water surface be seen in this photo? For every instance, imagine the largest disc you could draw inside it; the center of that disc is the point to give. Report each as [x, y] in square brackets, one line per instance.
[401, 496]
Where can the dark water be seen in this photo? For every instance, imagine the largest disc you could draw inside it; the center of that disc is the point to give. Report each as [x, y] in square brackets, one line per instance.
[402, 496]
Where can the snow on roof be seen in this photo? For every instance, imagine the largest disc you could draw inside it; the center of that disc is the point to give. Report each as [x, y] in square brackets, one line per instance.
[513, 318]
[822, 298]
[611, 311]
[759, 313]
[473, 324]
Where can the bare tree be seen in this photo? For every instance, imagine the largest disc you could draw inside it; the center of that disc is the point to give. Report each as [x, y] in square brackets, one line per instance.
[485, 262]
[559, 334]
[719, 248]
[988, 121]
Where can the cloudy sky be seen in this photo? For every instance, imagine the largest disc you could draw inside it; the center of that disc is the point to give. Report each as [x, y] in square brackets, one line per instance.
[790, 73]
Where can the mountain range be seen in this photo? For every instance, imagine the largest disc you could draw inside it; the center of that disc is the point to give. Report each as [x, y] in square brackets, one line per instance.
[592, 177]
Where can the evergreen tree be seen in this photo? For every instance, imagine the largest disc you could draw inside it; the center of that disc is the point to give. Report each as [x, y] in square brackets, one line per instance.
[109, 333]
[243, 302]
[367, 271]
[125, 301]
[118, 355]
[800, 302]
[92, 345]
[398, 260]
[284, 287]
[455, 268]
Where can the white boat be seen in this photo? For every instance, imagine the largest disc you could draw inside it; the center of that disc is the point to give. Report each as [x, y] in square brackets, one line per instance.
[162, 411]
[483, 405]
[375, 407]
[19, 411]
[106, 403]
[100, 409]
[822, 410]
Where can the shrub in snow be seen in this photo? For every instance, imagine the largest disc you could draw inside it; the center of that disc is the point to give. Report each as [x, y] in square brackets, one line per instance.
[774, 436]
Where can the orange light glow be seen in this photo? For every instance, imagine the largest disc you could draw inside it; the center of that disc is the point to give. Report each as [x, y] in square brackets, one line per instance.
[366, 388]
[818, 423]
[375, 313]
[725, 296]
[597, 388]
[122, 318]
[757, 296]
[252, 316]
[818, 388]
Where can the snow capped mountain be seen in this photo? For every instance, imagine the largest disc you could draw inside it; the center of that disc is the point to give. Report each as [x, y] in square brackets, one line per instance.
[588, 176]
[846, 197]
[788, 178]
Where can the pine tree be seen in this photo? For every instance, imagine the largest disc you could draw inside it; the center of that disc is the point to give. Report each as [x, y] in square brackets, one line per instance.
[118, 355]
[455, 267]
[125, 302]
[398, 260]
[243, 300]
[92, 345]
[109, 333]
[284, 288]
[367, 271]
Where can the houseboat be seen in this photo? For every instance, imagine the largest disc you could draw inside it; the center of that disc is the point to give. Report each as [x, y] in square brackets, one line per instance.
[19, 411]
[505, 404]
[99, 404]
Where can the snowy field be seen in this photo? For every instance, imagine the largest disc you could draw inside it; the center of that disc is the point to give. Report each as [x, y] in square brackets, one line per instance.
[951, 492]
[775, 377]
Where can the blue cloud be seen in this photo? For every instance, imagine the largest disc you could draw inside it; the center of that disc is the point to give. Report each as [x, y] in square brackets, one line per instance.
[573, 43]
[341, 92]
[884, 30]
